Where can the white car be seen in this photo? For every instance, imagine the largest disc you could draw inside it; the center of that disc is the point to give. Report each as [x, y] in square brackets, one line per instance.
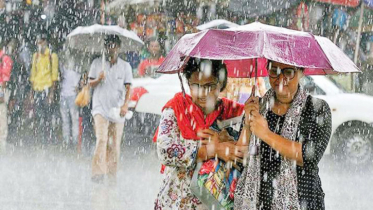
[352, 120]
[352, 114]
[150, 95]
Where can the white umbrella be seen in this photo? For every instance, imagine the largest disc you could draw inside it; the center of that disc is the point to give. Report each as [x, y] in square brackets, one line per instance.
[219, 23]
[91, 38]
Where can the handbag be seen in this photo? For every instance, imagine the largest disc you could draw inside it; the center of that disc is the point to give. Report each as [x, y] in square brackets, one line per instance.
[83, 98]
[214, 181]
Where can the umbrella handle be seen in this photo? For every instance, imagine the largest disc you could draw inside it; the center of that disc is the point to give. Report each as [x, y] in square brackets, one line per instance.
[103, 61]
[181, 82]
[255, 78]
[253, 90]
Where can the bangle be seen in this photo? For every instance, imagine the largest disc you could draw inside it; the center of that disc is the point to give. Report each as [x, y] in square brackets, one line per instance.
[210, 150]
[203, 150]
[206, 154]
[246, 126]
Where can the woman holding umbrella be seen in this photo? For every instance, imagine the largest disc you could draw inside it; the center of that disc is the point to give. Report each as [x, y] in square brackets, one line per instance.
[292, 131]
[183, 134]
[286, 132]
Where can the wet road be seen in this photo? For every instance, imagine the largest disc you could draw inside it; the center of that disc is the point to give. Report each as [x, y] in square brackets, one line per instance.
[51, 178]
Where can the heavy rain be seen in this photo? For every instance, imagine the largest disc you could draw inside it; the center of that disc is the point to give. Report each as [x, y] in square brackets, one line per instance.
[186, 104]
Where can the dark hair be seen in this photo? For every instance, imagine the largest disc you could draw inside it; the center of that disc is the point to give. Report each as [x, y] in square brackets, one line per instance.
[155, 39]
[112, 38]
[218, 67]
[43, 35]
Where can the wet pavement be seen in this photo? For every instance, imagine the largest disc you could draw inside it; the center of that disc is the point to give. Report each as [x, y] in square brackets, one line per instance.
[53, 178]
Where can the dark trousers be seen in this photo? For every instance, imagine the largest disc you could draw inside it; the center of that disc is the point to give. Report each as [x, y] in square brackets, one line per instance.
[88, 134]
[43, 117]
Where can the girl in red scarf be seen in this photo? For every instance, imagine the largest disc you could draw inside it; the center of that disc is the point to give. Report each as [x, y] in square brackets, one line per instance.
[184, 136]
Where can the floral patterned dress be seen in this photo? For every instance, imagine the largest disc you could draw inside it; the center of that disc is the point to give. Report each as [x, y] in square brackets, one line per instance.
[179, 156]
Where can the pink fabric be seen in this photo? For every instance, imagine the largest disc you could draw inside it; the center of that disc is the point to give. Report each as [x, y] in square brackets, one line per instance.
[6, 64]
[246, 68]
[240, 46]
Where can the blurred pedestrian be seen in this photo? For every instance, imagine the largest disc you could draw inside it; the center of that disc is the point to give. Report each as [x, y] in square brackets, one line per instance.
[6, 65]
[19, 88]
[69, 110]
[148, 66]
[43, 78]
[111, 80]
[88, 133]
[24, 52]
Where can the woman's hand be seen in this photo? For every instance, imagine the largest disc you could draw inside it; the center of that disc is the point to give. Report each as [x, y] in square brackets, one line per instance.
[221, 136]
[225, 150]
[224, 136]
[210, 139]
[230, 152]
[259, 125]
[239, 153]
[218, 144]
[252, 104]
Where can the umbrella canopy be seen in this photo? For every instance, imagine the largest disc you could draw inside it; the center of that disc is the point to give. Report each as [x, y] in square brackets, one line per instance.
[349, 3]
[239, 46]
[219, 24]
[91, 38]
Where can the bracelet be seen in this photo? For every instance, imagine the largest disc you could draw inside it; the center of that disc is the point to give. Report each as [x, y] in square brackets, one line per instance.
[206, 154]
[210, 150]
[246, 126]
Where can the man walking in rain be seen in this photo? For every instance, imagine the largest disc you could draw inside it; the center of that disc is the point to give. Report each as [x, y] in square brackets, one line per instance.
[43, 78]
[111, 80]
[69, 110]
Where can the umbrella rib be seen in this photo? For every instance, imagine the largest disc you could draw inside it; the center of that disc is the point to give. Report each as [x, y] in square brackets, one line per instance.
[318, 44]
[200, 39]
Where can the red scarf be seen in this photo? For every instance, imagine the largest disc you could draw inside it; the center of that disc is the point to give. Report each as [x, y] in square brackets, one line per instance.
[191, 116]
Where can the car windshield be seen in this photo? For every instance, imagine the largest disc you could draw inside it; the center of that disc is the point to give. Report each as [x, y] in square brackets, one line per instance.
[324, 85]
[336, 83]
